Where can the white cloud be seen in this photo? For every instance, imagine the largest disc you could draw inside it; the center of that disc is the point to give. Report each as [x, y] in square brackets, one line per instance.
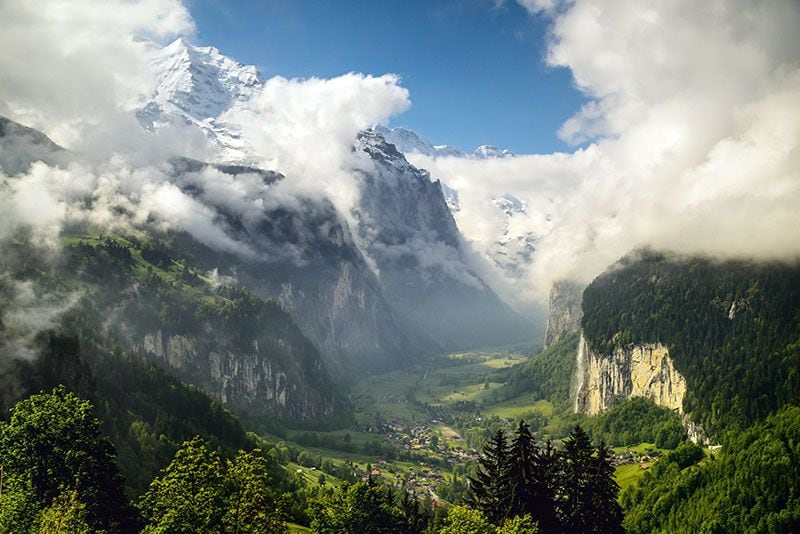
[694, 129]
[70, 66]
[305, 129]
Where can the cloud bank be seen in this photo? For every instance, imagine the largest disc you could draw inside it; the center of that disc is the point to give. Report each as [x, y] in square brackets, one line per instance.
[71, 66]
[690, 139]
[306, 128]
[80, 71]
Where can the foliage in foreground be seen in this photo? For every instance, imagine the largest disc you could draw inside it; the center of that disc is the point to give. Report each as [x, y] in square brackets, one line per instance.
[198, 492]
[571, 490]
[61, 475]
[58, 470]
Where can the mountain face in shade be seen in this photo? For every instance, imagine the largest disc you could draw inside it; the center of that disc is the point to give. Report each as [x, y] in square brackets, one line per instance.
[406, 228]
[304, 256]
[374, 289]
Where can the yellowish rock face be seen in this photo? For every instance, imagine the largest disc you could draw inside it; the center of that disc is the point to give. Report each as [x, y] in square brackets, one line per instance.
[639, 371]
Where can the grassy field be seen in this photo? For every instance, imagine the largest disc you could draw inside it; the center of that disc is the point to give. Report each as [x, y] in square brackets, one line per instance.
[464, 377]
[170, 274]
[519, 407]
[628, 475]
[642, 448]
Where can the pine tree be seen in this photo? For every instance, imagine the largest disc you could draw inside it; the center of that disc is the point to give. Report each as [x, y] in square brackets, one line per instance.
[489, 491]
[576, 504]
[604, 492]
[527, 478]
[414, 518]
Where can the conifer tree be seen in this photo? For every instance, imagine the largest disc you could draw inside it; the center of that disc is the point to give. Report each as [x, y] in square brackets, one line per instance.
[414, 518]
[489, 489]
[527, 478]
[605, 491]
[576, 506]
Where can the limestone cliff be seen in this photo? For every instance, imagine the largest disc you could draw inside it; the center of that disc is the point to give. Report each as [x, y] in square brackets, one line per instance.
[564, 311]
[645, 370]
[252, 382]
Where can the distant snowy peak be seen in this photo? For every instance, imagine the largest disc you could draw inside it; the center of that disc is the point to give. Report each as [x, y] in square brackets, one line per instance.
[200, 82]
[491, 152]
[195, 85]
[409, 142]
[509, 204]
[379, 149]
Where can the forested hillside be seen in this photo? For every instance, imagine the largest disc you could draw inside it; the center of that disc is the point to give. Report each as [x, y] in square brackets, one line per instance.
[547, 375]
[751, 485]
[732, 328]
[245, 351]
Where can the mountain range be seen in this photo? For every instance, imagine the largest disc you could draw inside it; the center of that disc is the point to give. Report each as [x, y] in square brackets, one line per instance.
[377, 288]
[421, 286]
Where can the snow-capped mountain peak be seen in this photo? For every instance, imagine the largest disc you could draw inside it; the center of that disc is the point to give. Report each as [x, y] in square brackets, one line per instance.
[491, 152]
[195, 85]
[407, 141]
[201, 81]
[509, 204]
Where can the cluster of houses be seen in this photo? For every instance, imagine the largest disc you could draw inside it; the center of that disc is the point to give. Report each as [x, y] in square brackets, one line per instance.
[633, 457]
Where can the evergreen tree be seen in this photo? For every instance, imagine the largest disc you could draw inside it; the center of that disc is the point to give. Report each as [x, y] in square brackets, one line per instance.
[489, 491]
[604, 492]
[526, 477]
[52, 444]
[576, 506]
[414, 518]
[588, 488]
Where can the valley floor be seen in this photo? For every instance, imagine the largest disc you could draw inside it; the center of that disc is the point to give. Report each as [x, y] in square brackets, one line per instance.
[425, 427]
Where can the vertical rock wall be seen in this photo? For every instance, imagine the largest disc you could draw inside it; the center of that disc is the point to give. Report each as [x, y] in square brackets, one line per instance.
[638, 371]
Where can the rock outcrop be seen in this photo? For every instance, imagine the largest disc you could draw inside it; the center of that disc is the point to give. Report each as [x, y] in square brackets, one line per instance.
[645, 370]
[251, 382]
[564, 310]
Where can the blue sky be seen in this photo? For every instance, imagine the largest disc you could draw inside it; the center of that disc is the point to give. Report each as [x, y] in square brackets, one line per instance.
[476, 71]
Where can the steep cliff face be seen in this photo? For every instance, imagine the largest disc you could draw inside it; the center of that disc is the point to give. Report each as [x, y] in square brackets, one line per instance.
[731, 327]
[406, 229]
[564, 312]
[645, 370]
[251, 382]
[245, 351]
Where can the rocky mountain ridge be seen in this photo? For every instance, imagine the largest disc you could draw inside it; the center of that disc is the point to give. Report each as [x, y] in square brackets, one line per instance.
[407, 230]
